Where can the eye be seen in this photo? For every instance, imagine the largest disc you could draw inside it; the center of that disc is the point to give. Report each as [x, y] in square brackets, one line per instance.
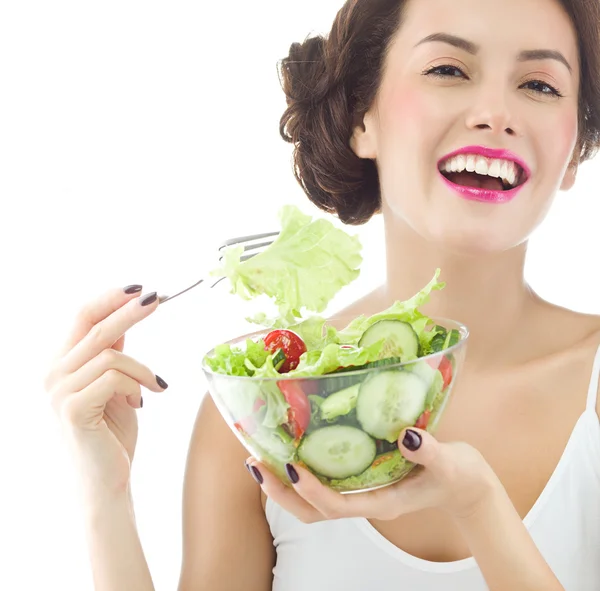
[445, 71]
[542, 88]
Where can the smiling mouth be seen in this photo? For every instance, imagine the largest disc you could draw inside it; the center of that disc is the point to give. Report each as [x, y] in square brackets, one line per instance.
[474, 170]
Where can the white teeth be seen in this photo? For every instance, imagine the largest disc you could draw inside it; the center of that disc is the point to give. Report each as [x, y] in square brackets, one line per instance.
[506, 170]
[494, 169]
[481, 166]
[512, 175]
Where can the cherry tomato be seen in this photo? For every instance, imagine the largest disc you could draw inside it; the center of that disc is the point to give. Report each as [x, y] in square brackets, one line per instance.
[445, 368]
[423, 420]
[299, 411]
[293, 347]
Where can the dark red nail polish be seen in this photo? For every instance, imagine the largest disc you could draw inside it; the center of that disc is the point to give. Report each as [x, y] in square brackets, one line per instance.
[161, 383]
[132, 289]
[412, 440]
[149, 299]
[292, 474]
[254, 472]
[141, 402]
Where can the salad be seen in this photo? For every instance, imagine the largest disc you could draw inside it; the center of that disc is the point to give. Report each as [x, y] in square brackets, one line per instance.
[333, 400]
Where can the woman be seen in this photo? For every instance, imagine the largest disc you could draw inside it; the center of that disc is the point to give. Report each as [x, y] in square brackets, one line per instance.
[390, 115]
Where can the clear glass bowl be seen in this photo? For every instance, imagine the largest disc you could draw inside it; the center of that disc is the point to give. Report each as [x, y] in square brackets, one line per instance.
[241, 402]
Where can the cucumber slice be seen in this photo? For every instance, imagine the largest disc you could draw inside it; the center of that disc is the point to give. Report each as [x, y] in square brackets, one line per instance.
[452, 339]
[278, 359]
[400, 339]
[389, 401]
[337, 451]
[339, 403]
[331, 385]
[371, 364]
[437, 342]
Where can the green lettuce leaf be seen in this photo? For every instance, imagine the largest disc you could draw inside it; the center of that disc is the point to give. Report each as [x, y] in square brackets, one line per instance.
[277, 407]
[406, 311]
[319, 362]
[233, 361]
[305, 267]
[239, 396]
[315, 332]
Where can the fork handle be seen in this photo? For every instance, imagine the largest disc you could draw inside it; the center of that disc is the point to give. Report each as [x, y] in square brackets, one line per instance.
[164, 298]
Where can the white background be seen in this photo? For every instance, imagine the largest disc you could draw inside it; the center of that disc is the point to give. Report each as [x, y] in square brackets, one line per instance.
[134, 137]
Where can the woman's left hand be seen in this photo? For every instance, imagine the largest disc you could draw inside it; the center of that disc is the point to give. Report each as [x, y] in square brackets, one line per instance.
[451, 476]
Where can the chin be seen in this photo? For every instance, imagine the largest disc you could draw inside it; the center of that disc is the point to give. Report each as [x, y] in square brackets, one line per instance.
[462, 239]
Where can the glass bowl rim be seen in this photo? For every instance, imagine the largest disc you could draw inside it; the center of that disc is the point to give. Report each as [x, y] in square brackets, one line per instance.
[462, 328]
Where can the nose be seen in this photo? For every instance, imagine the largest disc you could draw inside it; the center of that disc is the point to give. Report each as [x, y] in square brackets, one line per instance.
[491, 112]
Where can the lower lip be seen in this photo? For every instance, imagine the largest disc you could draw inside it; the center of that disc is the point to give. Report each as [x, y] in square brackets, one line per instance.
[482, 195]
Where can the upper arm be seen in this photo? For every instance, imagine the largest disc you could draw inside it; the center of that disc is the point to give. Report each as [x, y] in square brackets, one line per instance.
[227, 543]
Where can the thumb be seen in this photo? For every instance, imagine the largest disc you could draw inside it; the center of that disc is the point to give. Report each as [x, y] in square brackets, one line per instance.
[422, 448]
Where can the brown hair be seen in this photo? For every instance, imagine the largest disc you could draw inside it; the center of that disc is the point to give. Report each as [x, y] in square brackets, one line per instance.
[331, 82]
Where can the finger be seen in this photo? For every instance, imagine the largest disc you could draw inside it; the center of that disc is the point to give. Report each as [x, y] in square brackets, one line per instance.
[109, 359]
[105, 333]
[285, 496]
[94, 312]
[120, 344]
[84, 409]
[334, 505]
[420, 447]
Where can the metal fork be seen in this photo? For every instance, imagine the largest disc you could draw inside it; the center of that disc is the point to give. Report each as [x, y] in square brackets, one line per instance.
[250, 246]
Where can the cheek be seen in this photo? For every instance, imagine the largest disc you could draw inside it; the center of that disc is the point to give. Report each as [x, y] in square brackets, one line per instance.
[408, 111]
[559, 140]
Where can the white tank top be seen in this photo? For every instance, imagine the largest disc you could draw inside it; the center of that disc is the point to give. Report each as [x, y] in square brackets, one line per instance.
[351, 555]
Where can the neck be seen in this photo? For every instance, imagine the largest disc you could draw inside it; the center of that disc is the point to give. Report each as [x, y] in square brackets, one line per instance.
[487, 293]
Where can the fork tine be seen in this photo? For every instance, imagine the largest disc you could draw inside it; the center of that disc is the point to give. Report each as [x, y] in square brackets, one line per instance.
[166, 298]
[240, 239]
[245, 257]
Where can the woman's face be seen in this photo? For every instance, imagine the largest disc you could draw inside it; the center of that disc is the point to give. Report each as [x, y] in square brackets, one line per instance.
[475, 74]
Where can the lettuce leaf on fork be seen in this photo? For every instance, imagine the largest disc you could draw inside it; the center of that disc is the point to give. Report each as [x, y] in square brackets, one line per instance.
[307, 264]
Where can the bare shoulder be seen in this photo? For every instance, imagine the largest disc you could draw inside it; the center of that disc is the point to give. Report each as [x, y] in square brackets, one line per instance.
[580, 334]
[223, 521]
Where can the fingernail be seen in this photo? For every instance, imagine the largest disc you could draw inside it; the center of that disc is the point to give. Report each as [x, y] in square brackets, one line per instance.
[161, 383]
[148, 299]
[412, 440]
[141, 401]
[255, 472]
[132, 289]
[292, 474]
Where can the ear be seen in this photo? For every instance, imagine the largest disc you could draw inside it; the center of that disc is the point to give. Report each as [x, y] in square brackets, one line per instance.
[363, 140]
[570, 176]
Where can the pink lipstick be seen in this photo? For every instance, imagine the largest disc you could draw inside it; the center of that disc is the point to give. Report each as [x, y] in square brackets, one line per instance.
[481, 194]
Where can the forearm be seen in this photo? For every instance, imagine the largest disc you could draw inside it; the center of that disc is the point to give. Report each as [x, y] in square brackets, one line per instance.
[503, 548]
[116, 553]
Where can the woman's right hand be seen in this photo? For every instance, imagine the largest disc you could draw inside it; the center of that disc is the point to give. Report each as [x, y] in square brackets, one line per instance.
[95, 388]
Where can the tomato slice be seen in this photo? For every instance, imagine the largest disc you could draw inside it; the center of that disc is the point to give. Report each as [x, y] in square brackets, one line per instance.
[299, 411]
[445, 368]
[293, 347]
[423, 420]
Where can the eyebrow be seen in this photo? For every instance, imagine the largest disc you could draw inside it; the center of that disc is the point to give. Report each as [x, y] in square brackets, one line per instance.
[472, 48]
